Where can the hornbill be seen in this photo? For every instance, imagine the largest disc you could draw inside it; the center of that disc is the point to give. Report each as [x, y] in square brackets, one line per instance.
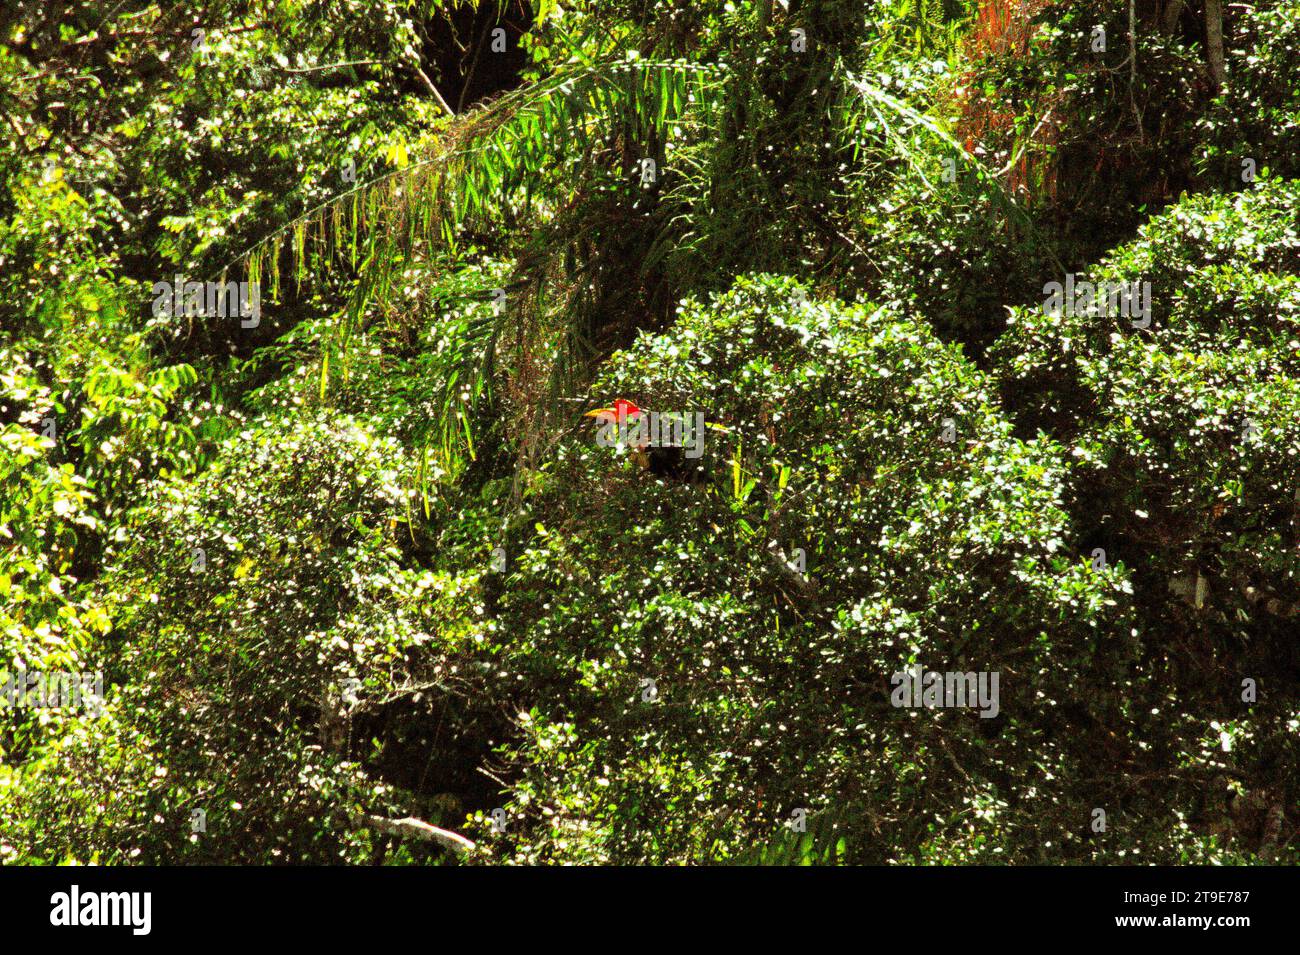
[662, 459]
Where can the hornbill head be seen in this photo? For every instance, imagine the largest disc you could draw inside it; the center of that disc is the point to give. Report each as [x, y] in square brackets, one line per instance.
[622, 413]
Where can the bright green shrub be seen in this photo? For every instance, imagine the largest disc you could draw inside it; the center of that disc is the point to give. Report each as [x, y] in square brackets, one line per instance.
[1257, 114]
[269, 607]
[773, 695]
[1188, 455]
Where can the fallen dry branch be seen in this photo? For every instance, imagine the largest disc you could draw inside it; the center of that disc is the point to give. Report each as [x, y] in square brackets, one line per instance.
[412, 828]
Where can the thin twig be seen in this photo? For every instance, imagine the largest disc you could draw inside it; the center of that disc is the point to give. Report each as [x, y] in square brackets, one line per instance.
[330, 66]
[432, 89]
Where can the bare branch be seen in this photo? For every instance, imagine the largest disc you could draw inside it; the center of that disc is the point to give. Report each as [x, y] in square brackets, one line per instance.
[412, 828]
[432, 89]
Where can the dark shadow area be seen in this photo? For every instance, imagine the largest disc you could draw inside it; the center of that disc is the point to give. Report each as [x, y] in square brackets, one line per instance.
[476, 51]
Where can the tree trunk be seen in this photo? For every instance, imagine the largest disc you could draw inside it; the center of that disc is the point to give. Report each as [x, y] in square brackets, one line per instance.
[1214, 41]
[1169, 22]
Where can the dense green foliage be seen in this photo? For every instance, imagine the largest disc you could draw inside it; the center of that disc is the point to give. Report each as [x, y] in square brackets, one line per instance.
[361, 557]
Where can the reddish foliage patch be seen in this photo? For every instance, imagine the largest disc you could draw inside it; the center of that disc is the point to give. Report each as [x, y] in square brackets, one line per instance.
[1003, 28]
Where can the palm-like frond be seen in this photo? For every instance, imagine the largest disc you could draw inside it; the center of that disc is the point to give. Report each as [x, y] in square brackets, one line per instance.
[868, 105]
[527, 156]
[498, 160]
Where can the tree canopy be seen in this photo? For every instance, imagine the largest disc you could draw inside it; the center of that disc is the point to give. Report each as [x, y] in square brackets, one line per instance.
[625, 432]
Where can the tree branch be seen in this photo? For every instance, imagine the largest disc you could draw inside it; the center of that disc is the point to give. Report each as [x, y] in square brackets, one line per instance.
[432, 89]
[412, 828]
[330, 66]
